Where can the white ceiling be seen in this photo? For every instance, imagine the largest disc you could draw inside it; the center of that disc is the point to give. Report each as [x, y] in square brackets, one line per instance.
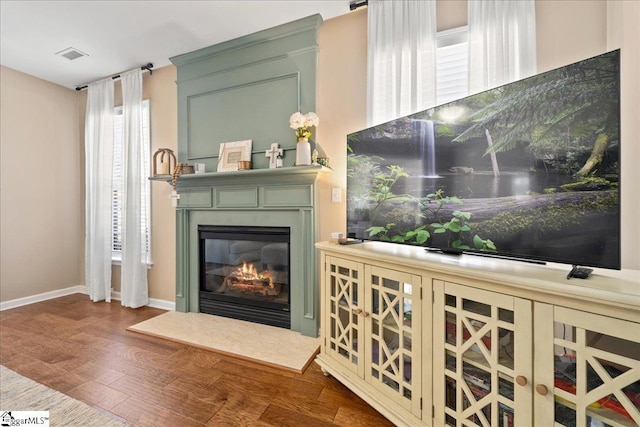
[121, 35]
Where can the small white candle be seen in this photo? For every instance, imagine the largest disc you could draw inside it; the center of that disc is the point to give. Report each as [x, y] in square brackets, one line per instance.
[164, 168]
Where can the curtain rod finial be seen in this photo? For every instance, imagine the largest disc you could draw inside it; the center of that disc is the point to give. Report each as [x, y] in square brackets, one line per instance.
[356, 4]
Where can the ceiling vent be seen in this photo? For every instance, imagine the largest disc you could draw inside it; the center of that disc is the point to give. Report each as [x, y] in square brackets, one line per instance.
[71, 53]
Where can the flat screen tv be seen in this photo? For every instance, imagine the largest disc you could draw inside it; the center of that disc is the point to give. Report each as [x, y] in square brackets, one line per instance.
[529, 170]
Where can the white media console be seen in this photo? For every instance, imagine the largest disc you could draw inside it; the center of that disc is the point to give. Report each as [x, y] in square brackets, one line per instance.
[431, 339]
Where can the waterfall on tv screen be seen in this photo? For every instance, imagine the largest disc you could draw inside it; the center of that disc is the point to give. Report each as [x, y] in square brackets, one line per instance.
[427, 148]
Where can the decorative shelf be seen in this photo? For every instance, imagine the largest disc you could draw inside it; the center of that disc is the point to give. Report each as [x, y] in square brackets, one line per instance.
[255, 175]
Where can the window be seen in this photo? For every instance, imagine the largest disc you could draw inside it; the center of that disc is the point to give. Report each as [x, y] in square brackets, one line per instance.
[452, 64]
[116, 201]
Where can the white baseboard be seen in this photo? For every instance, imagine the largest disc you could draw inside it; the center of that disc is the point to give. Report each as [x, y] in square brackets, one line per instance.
[162, 304]
[79, 289]
[19, 302]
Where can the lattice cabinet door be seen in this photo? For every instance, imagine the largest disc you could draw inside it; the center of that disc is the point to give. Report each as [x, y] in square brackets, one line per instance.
[587, 369]
[393, 329]
[344, 313]
[482, 358]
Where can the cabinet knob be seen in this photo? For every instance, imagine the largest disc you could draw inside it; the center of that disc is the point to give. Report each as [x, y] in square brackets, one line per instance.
[366, 314]
[521, 380]
[357, 310]
[542, 389]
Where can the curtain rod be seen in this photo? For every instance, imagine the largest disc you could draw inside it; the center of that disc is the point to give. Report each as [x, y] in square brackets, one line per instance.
[356, 4]
[147, 67]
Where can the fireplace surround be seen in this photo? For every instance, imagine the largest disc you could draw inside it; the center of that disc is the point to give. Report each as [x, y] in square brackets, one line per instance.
[245, 89]
[283, 198]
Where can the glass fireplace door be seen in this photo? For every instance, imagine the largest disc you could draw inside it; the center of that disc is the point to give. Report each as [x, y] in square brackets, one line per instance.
[244, 273]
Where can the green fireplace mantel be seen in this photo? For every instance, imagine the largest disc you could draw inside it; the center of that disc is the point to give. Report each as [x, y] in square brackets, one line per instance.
[291, 174]
[285, 197]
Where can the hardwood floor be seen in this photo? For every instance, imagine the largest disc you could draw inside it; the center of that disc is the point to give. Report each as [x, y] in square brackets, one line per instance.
[82, 349]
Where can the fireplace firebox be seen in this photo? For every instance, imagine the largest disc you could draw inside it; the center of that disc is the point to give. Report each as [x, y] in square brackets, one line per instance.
[244, 273]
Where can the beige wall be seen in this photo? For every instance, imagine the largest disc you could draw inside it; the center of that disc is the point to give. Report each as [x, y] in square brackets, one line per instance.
[623, 31]
[50, 256]
[450, 14]
[341, 101]
[160, 88]
[569, 31]
[40, 187]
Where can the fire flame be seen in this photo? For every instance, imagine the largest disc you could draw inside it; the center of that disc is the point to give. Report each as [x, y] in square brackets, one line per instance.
[248, 272]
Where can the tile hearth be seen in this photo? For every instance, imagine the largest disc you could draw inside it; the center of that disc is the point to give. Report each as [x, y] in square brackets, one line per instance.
[251, 341]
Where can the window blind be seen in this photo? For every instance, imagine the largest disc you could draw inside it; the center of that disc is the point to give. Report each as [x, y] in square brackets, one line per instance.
[452, 65]
[116, 200]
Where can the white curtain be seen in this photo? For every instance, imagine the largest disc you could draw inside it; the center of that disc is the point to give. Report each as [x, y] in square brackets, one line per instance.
[134, 290]
[502, 42]
[401, 64]
[98, 182]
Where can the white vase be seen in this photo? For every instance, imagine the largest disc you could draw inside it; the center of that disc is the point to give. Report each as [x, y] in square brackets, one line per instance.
[303, 152]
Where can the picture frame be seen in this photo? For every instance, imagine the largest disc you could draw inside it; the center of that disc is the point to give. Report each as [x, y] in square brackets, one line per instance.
[233, 152]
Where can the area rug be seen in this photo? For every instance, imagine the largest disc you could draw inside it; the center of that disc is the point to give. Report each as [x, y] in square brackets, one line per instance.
[18, 393]
[263, 344]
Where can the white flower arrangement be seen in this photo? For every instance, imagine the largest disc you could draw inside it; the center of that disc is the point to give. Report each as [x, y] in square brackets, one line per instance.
[302, 122]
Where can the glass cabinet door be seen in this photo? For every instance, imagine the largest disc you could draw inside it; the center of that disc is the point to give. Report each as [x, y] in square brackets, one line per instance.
[393, 358]
[344, 316]
[589, 369]
[483, 364]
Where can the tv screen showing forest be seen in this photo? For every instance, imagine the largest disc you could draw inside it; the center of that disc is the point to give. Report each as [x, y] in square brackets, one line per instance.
[529, 170]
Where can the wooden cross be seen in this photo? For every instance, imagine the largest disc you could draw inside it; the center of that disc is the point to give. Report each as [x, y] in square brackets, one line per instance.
[174, 196]
[273, 153]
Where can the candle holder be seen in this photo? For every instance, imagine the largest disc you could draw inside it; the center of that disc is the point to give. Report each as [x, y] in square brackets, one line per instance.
[167, 162]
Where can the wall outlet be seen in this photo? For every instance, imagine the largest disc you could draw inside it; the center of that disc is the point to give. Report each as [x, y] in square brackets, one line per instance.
[337, 235]
[336, 195]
